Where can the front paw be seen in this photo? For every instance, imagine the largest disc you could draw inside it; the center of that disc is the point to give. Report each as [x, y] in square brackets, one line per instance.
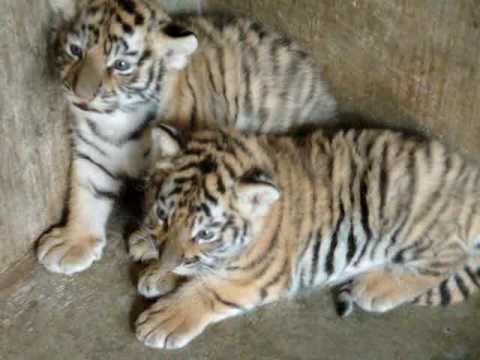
[171, 323]
[155, 282]
[63, 251]
[141, 246]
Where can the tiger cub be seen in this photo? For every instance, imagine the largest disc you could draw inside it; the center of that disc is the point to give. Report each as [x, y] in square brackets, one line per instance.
[126, 63]
[253, 219]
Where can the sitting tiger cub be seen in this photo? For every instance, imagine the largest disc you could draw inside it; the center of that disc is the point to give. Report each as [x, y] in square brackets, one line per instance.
[253, 219]
[126, 64]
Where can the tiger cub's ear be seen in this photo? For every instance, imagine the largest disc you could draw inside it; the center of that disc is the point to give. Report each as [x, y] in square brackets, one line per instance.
[177, 45]
[256, 194]
[166, 141]
[65, 8]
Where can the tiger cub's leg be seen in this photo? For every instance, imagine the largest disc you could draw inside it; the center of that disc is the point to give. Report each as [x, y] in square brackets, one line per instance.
[177, 318]
[155, 281]
[157, 278]
[142, 245]
[383, 290]
[75, 246]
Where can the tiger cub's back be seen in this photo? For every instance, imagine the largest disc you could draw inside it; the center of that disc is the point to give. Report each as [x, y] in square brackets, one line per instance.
[246, 76]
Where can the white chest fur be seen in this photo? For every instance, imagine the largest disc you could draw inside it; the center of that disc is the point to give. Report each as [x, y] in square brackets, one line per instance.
[118, 140]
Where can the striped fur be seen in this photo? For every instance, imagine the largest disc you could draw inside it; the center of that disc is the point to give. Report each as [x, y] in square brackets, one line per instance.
[126, 64]
[249, 220]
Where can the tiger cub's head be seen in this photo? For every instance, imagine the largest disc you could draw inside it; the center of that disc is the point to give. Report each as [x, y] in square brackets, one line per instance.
[117, 53]
[210, 197]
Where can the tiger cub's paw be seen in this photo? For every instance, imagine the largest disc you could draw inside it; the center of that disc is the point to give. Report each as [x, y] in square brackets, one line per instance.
[171, 323]
[154, 281]
[67, 252]
[141, 246]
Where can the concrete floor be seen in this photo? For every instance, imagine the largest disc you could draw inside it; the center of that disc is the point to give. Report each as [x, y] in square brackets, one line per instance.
[89, 316]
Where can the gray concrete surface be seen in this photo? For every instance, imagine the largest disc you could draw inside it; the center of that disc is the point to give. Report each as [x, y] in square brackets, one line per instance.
[89, 317]
[33, 144]
[398, 63]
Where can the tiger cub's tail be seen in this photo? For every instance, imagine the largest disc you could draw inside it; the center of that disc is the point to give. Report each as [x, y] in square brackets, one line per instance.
[457, 288]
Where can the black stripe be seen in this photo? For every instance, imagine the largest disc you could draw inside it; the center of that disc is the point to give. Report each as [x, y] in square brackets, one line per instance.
[247, 101]
[426, 297]
[230, 170]
[472, 276]
[99, 193]
[183, 179]
[316, 251]
[364, 209]
[351, 242]
[147, 153]
[140, 130]
[462, 287]
[93, 127]
[223, 92]
[191, 165]
[148, 82]
[223, 301]
[82, 156]
[445, 296]
[208, 195]
[206, 210]
[210, 77]
[84, 107]
[193, 115]
[276, 278]
[383, 184]
[352, 245]
[329, 266]
[240, 144]
[170, 131]
[411, 195]
[220, 185]
[145, 56]
[88, 142]
[435, 196]
[124, 44]
[259, 259]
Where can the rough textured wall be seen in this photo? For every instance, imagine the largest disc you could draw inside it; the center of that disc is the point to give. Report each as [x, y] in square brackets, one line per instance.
[413, 64]
[33, 146]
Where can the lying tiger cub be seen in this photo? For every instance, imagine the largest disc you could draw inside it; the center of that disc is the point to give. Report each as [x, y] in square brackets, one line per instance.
[245, 220]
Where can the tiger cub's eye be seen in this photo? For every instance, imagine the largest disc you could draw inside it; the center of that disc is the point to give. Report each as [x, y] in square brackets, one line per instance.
[121, 65]
[204, 235]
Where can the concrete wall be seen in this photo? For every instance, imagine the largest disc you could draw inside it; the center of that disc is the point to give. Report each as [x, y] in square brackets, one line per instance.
[33, 145]
[413, 64]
